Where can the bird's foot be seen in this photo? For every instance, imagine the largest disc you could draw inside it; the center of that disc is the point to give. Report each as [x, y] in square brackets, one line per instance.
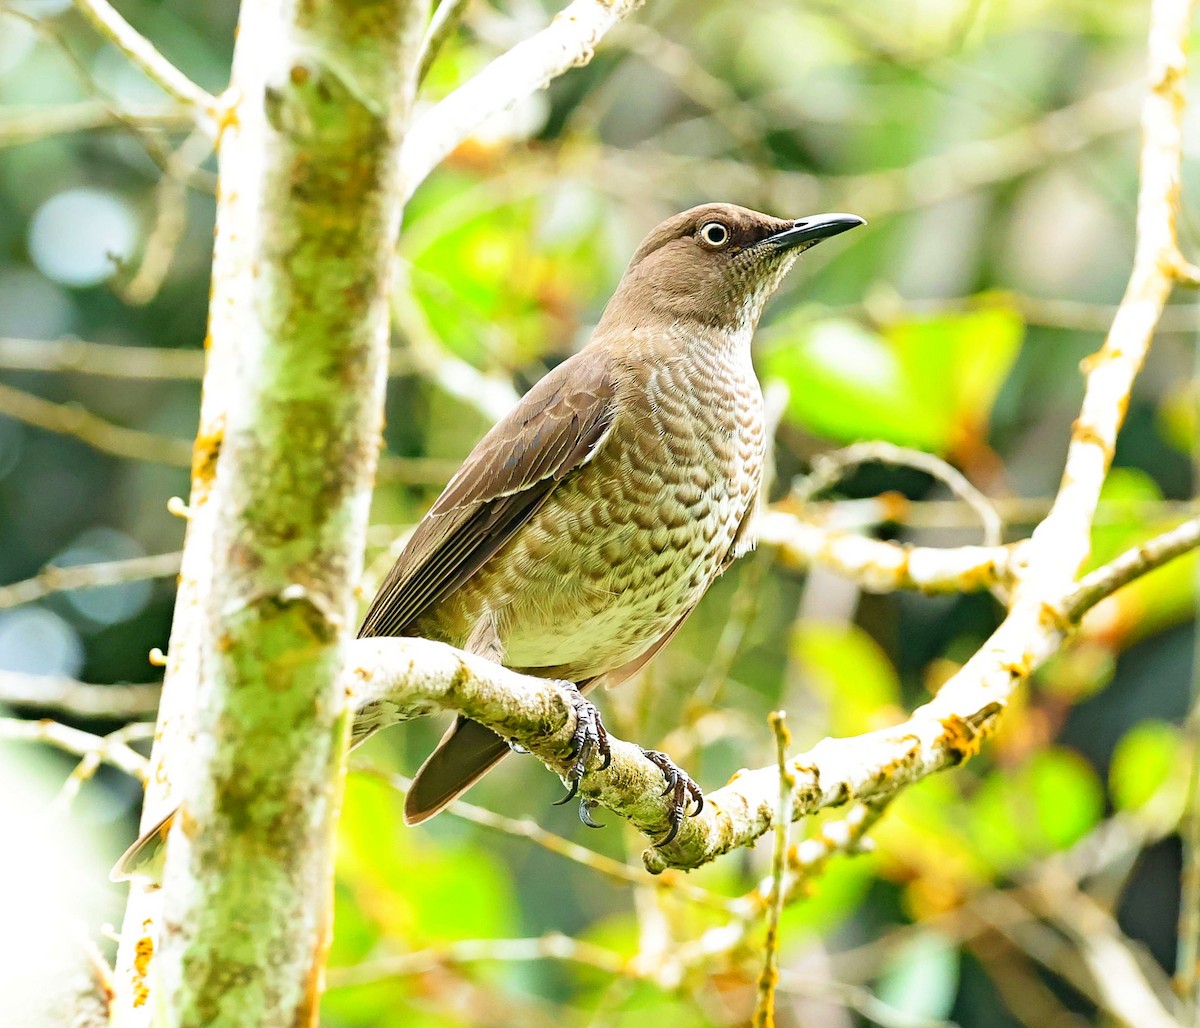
[684, 792]
[589, 742]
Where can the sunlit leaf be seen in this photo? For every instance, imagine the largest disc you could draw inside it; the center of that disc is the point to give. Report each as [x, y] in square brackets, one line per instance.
[1142, 761]
[925, 382]
[1045, 805]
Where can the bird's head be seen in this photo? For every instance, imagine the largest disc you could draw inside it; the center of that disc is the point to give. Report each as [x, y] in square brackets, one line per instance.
[716, 265]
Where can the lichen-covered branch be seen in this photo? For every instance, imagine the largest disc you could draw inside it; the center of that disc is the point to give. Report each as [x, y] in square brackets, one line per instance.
[879, 566]
[396, 679]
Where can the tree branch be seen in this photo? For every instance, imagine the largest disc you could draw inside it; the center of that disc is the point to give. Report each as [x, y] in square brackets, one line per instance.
[879, 566]
[88, 576]
[78, 699]
[567, 42]
[143, 53]
[307, 220]
[396, 679]
[73, 420]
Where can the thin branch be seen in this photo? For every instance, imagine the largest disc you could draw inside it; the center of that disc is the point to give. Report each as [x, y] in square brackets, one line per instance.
[75, 421]
[442, 26]
[548, 947]
[142, 53]
[928, 181]
[567, 42]
[78, 699]
[764, 1004]
[1123, 986]
[530, 830]
[883, 566]
[1133, 563]
[148, 363]
[88, 576]
[828, 468]
[111, 750]
[86, 769]
[144, 363]
[20, 125]
[170, 219]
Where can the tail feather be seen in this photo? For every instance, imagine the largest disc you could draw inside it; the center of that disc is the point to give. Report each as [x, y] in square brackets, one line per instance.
[466, 753]
[144, 859]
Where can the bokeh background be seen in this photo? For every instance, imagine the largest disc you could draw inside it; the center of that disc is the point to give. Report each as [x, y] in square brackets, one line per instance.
[992, 146]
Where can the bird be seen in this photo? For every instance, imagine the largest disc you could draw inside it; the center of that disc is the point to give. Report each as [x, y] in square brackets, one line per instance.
[586, 525]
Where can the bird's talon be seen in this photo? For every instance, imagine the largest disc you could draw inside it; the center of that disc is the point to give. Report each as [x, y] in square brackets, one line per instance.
[590, 740]
[585, 813]
[686, 793]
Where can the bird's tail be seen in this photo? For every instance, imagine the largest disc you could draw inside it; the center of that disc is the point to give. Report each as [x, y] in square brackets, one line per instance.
[466, 753]
[144, 859]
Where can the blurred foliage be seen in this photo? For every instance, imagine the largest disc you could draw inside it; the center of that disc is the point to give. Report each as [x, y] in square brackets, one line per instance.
[930, 328]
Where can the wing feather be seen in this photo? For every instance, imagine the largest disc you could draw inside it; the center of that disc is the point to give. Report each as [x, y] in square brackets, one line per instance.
[557, 427]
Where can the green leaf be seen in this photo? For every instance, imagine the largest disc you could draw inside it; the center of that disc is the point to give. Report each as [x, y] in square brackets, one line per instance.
[1045, 805]
[927, 382]
[1142, 762]
[846, 384]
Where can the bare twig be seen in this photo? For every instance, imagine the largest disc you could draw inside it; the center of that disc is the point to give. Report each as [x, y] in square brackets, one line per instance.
[149, 363]
[170, 219]
[828, 468]
[19, 125]
[82, 424]
[88, 576]
[142, 52]
[1131, 564]
[145, 363]
[442, 26]
[882, 566]
[764, 1004]
[86, 769]
[111, 750]
[78, 699]
[929, 181]
[676, 883]
[546, 947]
[568, 41]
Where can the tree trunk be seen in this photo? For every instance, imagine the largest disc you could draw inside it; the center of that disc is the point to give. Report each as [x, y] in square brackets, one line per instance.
[251, 732]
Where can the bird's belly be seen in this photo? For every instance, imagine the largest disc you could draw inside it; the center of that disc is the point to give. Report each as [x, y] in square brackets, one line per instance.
[605, 568]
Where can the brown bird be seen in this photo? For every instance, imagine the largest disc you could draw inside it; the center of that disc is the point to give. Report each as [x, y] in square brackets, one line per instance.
[583, 529]
[585, 526]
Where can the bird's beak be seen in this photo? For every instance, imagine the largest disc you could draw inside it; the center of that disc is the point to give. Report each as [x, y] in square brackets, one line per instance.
[813, 229]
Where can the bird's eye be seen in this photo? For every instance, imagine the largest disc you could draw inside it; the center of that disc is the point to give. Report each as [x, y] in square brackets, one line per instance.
[714, 234]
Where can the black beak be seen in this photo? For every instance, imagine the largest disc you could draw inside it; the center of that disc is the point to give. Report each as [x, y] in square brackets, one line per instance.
[813, 229]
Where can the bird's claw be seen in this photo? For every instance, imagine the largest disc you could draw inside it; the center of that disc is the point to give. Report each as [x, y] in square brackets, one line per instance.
[586, 807]
[685, 793]
[589, 741]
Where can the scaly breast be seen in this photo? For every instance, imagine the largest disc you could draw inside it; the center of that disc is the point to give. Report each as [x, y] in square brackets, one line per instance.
[627, 544]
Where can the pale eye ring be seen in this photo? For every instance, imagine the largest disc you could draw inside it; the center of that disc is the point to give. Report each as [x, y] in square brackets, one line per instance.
[714, 234]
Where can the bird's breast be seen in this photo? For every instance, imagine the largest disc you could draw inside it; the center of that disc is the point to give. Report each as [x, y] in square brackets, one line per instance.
[628, 543]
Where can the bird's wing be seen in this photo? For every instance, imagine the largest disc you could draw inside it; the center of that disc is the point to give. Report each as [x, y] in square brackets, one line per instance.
[557, 427]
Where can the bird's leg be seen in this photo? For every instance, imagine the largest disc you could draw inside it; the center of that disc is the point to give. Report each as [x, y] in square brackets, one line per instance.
[589, 741]
[684, 792]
